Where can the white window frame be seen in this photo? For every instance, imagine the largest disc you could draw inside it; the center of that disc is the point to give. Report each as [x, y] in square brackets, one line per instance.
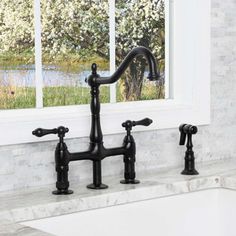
[189, 86]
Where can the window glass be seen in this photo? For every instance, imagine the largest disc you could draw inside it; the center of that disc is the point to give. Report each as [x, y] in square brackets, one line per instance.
[74, 35]
[140, 23]
[17, 77]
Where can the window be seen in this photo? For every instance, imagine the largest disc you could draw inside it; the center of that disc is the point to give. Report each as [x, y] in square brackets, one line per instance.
[185, 82]
[69, 36]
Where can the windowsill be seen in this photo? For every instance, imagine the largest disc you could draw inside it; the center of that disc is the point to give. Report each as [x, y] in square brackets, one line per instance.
[18, 125]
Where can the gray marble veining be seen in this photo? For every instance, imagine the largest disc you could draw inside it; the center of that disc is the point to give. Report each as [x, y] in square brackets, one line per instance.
[11, 229]
[36, 203]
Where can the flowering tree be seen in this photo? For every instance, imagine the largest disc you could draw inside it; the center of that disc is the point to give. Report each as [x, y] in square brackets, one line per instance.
[139, 23]
[67, 26]
[16, 26]
[81, 27]
[75, 26]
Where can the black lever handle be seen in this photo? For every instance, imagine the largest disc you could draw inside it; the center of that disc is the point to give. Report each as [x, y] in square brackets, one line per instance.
[182, 135]
[61, 131]
[129, 124]
[144, 122]
[42, 132]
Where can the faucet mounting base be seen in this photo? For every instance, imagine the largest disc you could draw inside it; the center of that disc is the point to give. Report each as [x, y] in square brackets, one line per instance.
[62, 192]
[93, 186]
[189, 172]
[129, 181]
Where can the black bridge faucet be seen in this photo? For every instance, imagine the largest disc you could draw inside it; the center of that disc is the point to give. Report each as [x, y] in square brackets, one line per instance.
[96, 151]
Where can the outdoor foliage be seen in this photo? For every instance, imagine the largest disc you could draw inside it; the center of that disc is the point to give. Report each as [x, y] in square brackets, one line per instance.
[16, 26]
[80, 27]
[139, 23]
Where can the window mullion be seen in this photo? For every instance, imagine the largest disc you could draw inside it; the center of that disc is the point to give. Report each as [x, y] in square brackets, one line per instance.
[112, 47]
[38, 55]
[168, 93]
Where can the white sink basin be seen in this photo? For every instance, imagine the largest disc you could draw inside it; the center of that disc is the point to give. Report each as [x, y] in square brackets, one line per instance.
[204, 213]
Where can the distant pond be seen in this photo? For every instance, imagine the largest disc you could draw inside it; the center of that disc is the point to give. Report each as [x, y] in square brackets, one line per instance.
[24, 76]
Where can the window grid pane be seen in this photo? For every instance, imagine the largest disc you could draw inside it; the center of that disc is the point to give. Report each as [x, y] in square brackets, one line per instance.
[112, 32]
[140, 23]
[17, 84]
[75, 34]
[38, 55]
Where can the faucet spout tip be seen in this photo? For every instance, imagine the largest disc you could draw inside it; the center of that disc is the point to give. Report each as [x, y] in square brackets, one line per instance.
[153, 77]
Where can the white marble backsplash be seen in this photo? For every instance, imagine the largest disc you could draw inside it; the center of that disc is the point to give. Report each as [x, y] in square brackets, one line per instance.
[33, 164]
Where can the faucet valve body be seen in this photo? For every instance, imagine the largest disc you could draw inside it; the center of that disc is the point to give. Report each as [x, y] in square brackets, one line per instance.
[129, 156]
[62, 168]
[129, 161]
[61, 158]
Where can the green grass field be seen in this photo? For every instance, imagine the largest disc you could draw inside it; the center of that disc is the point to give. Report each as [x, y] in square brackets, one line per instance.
[70, 62]
[13, 97]
[61, 96]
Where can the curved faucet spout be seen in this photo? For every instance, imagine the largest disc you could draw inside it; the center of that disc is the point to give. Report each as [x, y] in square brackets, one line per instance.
[153, 74]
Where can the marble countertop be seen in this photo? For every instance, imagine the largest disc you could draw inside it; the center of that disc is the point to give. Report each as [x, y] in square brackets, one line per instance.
[37, 203]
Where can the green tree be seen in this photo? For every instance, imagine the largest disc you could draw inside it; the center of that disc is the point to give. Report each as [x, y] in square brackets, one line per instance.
[16, 26]
[139, 23]
[81, 27]
[75, 26]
